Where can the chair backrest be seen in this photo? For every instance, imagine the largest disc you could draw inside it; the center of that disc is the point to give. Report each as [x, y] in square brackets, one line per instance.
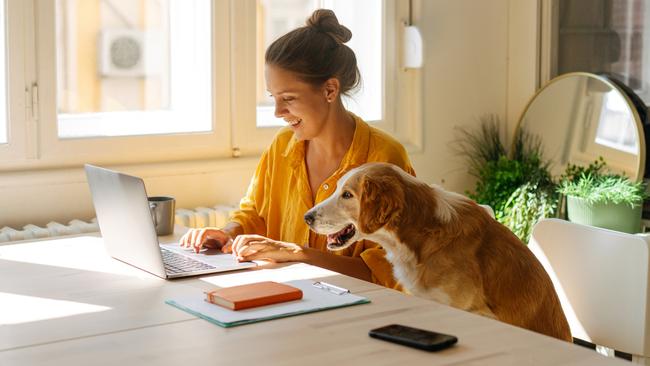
[601, 277]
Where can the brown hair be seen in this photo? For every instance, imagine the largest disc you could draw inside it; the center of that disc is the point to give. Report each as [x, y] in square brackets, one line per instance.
[316, 52]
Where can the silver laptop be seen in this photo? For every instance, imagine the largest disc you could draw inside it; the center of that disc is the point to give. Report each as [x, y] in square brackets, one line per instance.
[129, 234]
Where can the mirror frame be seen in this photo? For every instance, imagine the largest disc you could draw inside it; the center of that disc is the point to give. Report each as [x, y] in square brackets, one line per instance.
[635, 115]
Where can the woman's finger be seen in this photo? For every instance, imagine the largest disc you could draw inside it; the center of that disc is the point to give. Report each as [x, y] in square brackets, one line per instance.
[195, 242]
[227, 248]
[183, 240]
[252, 247]
[202, 239]
[233, 247]
[193, 237]
[254, 256]
[241, 240]
[187, 238]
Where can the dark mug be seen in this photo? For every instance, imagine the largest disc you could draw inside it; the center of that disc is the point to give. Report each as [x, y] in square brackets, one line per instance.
[162, 212]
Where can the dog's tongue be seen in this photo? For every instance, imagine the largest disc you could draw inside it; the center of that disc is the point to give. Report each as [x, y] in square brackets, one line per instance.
[334, 238]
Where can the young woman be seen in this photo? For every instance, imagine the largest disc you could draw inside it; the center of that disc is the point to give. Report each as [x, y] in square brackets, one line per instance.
[307, 71]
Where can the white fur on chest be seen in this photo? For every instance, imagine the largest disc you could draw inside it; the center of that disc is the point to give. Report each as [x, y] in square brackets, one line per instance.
[405, 267]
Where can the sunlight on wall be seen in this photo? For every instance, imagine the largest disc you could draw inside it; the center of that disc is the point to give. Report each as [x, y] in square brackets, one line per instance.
[18, 309]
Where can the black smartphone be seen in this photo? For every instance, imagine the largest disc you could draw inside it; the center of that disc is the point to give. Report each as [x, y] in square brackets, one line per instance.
[414, 337]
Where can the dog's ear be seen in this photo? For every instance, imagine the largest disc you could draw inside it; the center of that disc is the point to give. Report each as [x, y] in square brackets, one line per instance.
[381, 202]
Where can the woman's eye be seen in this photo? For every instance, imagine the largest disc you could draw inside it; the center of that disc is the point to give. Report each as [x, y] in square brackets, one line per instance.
[346, 195]
[287, 99]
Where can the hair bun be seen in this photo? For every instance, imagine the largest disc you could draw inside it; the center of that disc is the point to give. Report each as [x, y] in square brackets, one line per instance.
[324, 20]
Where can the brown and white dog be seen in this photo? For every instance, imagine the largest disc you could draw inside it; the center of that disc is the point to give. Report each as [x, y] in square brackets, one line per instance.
[442, 246]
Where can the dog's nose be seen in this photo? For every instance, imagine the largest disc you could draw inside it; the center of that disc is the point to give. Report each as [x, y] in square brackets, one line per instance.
[309, 218]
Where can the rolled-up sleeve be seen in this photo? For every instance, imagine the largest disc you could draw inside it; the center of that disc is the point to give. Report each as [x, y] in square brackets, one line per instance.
[380, 268]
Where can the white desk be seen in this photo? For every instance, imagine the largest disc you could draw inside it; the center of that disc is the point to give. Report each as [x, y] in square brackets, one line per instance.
[65, 302]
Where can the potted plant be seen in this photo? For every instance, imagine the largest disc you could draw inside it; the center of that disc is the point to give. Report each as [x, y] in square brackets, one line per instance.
[609, 201]
[516, 184]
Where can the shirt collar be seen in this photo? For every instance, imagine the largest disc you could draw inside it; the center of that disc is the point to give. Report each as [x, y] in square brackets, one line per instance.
[356, 155]
[294, 152]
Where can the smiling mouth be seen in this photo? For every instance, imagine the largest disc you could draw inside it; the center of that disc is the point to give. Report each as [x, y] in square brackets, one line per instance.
[294, 123]
[340, 238]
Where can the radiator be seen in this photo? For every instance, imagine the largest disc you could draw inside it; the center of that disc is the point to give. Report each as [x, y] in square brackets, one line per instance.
[198, 217]
[204, 216]
[52, 229]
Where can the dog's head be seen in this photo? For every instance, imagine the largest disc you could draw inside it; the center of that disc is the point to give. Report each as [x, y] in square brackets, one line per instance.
[366, 199]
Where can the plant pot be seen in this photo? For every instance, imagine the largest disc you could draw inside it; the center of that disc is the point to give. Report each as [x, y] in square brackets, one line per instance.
[613, 216]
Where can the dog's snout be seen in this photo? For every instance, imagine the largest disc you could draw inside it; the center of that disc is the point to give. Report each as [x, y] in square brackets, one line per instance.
[309, 218]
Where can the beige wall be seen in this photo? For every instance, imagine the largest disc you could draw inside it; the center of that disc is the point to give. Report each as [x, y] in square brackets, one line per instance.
[66, 196]
[467, 47]
[464, 77]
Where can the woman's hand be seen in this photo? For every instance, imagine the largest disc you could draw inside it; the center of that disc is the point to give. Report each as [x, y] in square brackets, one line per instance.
[208, 237]
[254, 247]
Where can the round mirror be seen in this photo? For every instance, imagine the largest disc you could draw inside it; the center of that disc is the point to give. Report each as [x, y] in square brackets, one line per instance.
[580, 117]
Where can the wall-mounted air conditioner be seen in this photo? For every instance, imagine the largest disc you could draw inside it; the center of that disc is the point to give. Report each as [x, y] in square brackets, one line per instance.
[123, 53]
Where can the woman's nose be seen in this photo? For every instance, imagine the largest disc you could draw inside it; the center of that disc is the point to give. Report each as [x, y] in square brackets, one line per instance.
[280, 110]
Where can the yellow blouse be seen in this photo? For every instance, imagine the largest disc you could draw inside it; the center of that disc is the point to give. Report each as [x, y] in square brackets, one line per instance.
[279, 193]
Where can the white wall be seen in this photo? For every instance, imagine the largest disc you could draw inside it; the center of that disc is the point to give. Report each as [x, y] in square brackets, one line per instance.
[481, 58]
[464, 77]
[468, 44]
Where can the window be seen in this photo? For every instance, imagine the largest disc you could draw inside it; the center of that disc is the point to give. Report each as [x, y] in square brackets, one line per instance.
[15, 77]
[132, 81]
[605, 36]
[133, 67]
[3, 76]
[610, 132]
[602, 36]
[615, 128]
[121, 81]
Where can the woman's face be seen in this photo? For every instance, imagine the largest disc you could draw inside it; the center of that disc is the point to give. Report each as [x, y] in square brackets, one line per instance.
[303, 106]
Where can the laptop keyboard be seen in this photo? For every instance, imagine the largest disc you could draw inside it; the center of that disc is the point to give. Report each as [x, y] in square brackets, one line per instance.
[177, 263]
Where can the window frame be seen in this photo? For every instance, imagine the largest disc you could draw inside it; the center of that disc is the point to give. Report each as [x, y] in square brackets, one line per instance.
[18, 69]
[179, 102]
[131, 149]
[549, 41]
[33, 133]
[549, 24]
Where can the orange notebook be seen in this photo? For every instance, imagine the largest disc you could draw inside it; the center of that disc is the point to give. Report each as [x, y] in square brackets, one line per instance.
[253, 294]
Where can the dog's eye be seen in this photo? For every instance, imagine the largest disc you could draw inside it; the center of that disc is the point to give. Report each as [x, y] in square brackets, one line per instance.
[346, 195]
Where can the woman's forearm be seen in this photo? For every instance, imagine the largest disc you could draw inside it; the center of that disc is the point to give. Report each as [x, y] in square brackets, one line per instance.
[351, 266]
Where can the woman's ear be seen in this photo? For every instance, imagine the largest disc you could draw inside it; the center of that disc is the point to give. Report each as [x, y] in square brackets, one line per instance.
[332, 88]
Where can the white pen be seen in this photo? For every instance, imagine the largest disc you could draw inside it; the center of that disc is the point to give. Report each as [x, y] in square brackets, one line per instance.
[332, 288]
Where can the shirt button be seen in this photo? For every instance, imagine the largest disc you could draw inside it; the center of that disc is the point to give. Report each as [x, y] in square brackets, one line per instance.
[326, 186]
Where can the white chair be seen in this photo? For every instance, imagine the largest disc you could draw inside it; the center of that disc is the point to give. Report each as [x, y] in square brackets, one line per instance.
[602, 279]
